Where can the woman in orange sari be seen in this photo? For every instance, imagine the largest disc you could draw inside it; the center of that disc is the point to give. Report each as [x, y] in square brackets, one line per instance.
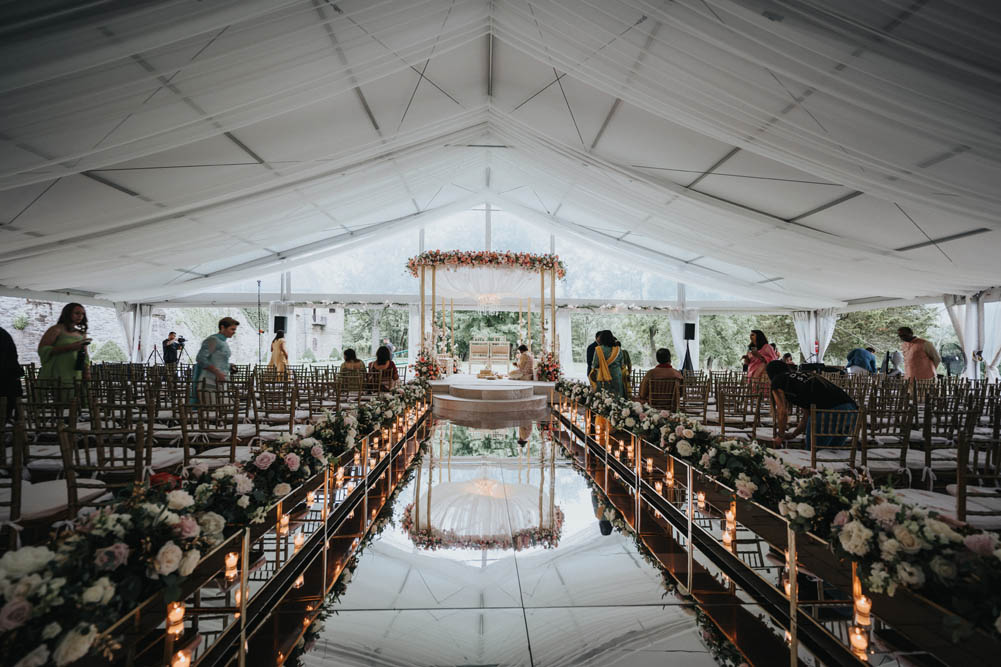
[606, 370]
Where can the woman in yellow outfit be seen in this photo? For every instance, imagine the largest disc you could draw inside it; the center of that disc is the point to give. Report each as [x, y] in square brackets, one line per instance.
[63, 348]
[279, 353]
[606, 370]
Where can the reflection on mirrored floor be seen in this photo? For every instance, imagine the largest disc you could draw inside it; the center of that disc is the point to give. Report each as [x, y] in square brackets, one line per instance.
[496, 557]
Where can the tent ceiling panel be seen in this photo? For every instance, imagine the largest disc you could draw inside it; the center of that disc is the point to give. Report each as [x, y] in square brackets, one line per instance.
[184, 185]
[216, 150]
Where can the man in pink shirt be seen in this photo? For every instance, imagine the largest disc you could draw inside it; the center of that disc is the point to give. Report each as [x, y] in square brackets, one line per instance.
[920, 356]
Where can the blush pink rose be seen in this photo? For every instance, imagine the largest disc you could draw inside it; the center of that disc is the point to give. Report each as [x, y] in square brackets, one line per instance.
[187, 527]
[111, 558]
[14, 614]
[317, 452]
[292, 461]
[982, 544]
[841, 518]
[264, 460]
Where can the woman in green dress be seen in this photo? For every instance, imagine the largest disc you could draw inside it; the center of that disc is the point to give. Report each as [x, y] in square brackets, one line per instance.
[606, 369]
[63, 348]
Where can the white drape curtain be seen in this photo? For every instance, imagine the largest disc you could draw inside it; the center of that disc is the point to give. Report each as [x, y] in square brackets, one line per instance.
[803, 321]
[964, 313]
[992, 334]
[677, 317]
[126, 318]
[413, 334]
[142, 335]
[564, 335]
[827, 319]
[488, 285]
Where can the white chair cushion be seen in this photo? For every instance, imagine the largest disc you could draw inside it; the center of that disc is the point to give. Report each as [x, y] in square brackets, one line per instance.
[828, 459]
[50, 498]
[167, 457]
[945, 504]
[217, 457]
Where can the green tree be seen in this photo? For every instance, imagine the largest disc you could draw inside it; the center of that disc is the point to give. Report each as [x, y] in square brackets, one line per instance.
[258, 320]
[878, 329]
[109, 352]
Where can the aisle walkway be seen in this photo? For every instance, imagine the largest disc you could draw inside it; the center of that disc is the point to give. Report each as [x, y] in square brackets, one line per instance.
[592, 600]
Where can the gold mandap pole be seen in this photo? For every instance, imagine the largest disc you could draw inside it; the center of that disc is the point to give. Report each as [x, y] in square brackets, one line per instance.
[542, 311]
[552, 309]
[423, 306]
[434, 343]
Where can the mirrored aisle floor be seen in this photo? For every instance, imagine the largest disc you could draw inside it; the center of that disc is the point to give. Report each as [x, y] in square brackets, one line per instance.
[582, 598]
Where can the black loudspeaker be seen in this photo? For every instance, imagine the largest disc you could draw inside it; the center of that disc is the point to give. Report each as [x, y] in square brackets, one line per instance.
[279, 323]
[689, 330]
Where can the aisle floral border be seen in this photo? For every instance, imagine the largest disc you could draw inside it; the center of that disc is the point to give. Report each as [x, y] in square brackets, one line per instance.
[58, 597]
[511, 260]
[895, 545]
[433, 539]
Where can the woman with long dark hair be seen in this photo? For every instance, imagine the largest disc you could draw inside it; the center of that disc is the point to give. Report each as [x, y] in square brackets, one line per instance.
[384, 365]
[606, 369]
[759, 354]
[63, 348]
[279, 353]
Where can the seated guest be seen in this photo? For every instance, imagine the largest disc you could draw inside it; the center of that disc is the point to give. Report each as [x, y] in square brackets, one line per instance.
[861, 361]
[787, 358]
[525, 365]
[384, 365]
[663, 370]
[351, 362]
[897, 360]
[791, 387]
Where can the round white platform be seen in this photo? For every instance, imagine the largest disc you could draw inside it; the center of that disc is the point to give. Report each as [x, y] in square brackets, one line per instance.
[465, 397]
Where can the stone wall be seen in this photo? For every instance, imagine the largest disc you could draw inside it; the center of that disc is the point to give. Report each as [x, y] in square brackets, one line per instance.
[40, 315]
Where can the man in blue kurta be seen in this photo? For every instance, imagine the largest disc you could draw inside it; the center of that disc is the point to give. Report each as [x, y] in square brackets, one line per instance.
[212, 362]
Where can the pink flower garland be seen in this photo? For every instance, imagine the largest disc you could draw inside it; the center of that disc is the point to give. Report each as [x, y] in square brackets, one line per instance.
[513, 260]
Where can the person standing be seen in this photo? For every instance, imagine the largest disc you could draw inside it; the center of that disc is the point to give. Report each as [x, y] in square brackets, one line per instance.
[662, 371]
[920, 356]
[389, 345]
[861, 361]
[627, 370]
[606, 372]
[212, 361]
[590, 351]
[63, 348]
[759, 354]
[279, 353]
[171, 348]
[10, 374]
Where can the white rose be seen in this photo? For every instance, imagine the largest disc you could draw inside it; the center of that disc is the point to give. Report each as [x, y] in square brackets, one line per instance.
[630, 422]
[687, 433]
[884, 513]
[188, 563]
[941, 531]
[243, 484]
[282, 490]
[854, 538]
[20, 588]
[684, 448]
[889, 549]
[945, 569]
[36, 658]
[243, 501]
[179, 499]
[909, 542]
[910, 575]
[211, 523]
[51, 630]
[168, 558]
[25, 561]
[74, 645]
[100, 592]
[805, 510]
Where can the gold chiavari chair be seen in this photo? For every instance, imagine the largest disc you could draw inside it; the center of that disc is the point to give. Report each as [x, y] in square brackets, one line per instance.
[695, 395]
[833, 440]
[211, 431]
[665, 394]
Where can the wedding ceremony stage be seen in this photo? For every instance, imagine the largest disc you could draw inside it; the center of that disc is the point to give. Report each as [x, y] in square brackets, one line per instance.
[391, 235]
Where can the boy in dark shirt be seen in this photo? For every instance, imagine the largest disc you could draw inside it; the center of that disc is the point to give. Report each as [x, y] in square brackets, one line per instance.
[792, 387]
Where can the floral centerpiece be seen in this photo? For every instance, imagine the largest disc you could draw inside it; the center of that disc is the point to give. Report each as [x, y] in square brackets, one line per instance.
[433, 538]
[549, 367]
[463, 258]
[426, 366]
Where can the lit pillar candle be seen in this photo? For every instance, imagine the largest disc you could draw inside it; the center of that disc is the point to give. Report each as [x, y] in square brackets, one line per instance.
[658, 486]
[283, 525]
[860, 642]
[702, 500]
[175, 618]
[298, 542]
[311, 498]
[669, 477]
[180, 659]
[649, 465]
[299, 582]
[232, 558]
[863, 606]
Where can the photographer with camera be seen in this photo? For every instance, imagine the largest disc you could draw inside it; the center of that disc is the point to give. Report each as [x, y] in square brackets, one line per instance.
[63, 348]
[172, 346]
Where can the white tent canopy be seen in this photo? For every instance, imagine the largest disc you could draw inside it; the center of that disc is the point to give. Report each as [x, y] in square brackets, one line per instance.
[801, 155]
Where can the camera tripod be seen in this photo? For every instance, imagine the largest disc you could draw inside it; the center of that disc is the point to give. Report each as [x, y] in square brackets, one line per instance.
[157, 358]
